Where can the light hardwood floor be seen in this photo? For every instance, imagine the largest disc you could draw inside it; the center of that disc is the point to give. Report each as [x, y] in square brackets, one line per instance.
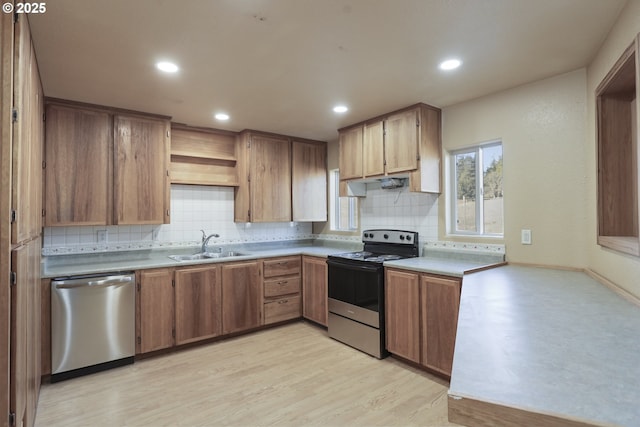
[292, 375]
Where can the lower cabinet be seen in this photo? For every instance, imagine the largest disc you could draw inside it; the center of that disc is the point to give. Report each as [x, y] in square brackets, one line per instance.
[421, 315]
[281, 288]
[156, 308]
[198, 303]
[314, 289]
[241, 296]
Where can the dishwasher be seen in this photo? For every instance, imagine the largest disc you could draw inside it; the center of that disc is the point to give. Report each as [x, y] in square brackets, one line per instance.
[92, 324]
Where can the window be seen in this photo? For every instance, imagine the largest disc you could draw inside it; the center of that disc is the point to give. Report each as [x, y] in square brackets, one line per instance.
[343, 211]
[477, 207]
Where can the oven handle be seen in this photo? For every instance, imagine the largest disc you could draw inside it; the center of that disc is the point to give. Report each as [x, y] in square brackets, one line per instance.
[349, 266]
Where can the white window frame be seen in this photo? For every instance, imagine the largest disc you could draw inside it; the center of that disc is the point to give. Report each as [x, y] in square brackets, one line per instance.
[478, 150]
[334, 205]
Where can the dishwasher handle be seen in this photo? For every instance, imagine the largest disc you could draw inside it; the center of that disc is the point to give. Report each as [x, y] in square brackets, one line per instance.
[98, 282]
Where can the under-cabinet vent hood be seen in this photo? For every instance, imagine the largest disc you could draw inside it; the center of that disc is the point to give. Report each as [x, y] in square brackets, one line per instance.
[389, 183]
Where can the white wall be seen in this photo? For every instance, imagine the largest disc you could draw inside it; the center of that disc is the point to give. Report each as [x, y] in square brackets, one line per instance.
[542, 128]
[623, 270]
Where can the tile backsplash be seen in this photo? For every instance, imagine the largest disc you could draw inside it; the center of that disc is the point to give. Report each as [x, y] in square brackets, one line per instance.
[193, 208]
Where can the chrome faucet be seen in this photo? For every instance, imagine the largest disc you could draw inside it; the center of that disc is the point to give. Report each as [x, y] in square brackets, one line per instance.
[205, 239]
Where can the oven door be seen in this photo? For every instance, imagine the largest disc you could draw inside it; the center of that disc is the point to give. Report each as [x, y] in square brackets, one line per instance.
[356, 291]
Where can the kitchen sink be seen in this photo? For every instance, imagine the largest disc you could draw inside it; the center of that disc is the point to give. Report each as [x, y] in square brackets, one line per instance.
[205, 255]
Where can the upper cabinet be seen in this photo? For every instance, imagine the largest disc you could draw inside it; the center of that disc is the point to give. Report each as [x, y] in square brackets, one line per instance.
[309, 181]
[203, 156]
[350, 152]
[105, 167]
[141, 174]
[618, 156]
[264, 172]
[276, 176]
[404, 143]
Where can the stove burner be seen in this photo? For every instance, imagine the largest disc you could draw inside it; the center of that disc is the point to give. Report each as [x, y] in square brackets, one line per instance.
[382, 258]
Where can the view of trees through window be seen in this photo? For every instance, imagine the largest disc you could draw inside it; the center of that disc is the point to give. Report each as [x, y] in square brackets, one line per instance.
[478, 208]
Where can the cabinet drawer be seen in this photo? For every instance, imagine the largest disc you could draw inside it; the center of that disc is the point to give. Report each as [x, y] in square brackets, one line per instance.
[281, 286]
[282, 266]
[282, 309]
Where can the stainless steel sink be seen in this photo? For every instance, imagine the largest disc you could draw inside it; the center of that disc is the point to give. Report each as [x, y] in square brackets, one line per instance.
[205, 255]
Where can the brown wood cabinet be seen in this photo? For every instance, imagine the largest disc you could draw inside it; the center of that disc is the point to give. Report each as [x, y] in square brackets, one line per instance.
[404, 143]
[78, 140]
[373, 144]
[241, 296]
[440, 302]
[120, 164]
[350, 155]
[203, 156]
[264, 175]
[314, 289]
[309, 181]
[421, 317]
[402, 313]
[198, 293]
[156, 310]
[141, 181]
[281, 281]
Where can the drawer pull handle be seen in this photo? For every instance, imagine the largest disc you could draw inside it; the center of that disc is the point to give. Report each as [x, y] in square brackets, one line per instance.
[284, 301]
[283, 283]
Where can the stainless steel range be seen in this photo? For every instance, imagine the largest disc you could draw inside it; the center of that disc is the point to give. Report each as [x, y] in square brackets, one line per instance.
[356, 288]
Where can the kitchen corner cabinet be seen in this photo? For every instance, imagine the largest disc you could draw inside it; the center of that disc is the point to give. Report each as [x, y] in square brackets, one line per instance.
[309, 181]
[156, 310]
[281, 281]
[422, 317]
[264, 175]
[404, 143]
[618, 155]
[198, 300]
[241, 296]
[118, 163]
[314, 289]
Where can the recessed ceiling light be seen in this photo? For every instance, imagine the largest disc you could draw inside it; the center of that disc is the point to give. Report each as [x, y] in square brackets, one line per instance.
[222, 116]
[450, 64]
[167, 67]
[340, 109]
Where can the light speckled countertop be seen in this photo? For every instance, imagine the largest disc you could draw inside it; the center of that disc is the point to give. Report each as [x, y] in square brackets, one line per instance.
[98, 263]
[548, 341]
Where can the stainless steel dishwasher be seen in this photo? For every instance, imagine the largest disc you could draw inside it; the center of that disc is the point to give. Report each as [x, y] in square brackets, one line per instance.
[92, 324]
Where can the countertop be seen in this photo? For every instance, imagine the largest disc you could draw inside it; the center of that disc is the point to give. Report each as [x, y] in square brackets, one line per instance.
[448, 263]
[548, 342]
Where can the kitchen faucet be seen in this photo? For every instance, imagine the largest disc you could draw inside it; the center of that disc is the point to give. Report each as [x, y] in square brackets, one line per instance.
[205, 239]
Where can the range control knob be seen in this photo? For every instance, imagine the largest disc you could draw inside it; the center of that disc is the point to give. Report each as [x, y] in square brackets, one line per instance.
[386, 236]
[371, 235]
[366, 235]
[401, 237]
[408, 237]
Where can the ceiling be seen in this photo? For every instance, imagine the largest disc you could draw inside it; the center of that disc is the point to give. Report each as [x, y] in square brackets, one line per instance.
[281, 65]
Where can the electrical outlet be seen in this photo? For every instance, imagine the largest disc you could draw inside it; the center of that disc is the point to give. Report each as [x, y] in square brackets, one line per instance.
[102, 236]
[525, 237]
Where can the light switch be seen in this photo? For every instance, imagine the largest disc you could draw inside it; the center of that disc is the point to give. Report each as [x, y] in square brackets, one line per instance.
[102, 236]
[525, 237]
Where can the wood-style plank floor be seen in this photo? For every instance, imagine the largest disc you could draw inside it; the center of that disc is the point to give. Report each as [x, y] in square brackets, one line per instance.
[292, 375]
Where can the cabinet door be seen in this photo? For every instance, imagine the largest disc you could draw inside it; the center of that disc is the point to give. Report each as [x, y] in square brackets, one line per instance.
[373, 149]
[270, 179]
[156, 310]
[314, 289]
[309, 181]
[198, 303]
[78, 158]
[141, 184]
[401, 141]
[241, 297]
[402, 314]
[440, 300]
[350, 153]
